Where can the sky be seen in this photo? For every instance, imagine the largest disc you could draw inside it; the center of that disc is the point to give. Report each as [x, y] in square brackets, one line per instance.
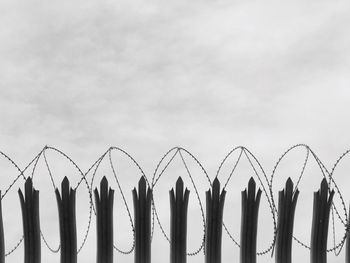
[150, 75]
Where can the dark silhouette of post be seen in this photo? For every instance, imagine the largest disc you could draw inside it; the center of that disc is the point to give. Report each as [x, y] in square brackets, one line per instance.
[249, 223]
[178, 222]
[68, 231]
[31, 222]
[104, 222]
[2, 240]
[213, 229]
[347, 252]
[287, 201]
[142, 213]
[320, 219]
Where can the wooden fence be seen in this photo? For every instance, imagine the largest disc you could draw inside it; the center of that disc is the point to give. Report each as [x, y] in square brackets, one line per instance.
[179, 198]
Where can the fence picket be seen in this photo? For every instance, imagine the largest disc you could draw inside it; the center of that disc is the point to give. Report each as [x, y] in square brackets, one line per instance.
[286, 209]
[31, 222]
[178, 223]
[320, 220]
[104, 222]
[249, 222]
[215, 206]
[142, 211]
[179, 198]
[67, 217]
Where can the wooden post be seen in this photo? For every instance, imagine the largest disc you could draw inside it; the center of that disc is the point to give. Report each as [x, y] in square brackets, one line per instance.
[213, 229]
[31, 222]
[178, 223]
[104, 222]
[68, 231]
[286, 209]
[142, 211]
[320, 220]
[2, 240]
[249, 223]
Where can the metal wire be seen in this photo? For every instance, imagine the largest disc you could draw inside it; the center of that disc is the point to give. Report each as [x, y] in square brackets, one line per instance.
[265, 183]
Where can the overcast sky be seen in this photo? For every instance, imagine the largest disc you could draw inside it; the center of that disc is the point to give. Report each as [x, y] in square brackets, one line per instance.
[148, 75]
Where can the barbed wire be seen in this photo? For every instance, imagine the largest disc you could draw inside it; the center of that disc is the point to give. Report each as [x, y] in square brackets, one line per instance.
[265, 183]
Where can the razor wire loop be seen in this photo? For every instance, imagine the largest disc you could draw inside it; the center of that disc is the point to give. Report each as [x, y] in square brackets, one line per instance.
[178, 150]
[21, 173]
[330, 176]
[83, 178]
[155, 180]
[246, 152]
[153, 184]
[109, 152]
[331, 180]
[344, 154]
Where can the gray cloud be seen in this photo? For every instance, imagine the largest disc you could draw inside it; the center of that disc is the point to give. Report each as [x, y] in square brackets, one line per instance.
[148, 75]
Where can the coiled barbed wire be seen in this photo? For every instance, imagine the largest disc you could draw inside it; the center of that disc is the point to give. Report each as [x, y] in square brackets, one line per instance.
[246, 152]
[155, 179]
[266, 184]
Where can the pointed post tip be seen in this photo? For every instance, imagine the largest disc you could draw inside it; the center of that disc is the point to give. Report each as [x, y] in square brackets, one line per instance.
[324, 182]
[104, 182]
[28, 185]
[324, 185]
[216, 182]
[251, 182]
[142, 180]
[289, 186]
[179, 181]
[65, 181]
[289, 182]
[29, 181]
[104, 179]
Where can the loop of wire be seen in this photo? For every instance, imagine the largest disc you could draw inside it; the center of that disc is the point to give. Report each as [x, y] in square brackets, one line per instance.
[259, 172]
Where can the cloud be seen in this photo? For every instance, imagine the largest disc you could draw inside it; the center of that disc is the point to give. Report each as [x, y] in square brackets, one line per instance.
[148, 75]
